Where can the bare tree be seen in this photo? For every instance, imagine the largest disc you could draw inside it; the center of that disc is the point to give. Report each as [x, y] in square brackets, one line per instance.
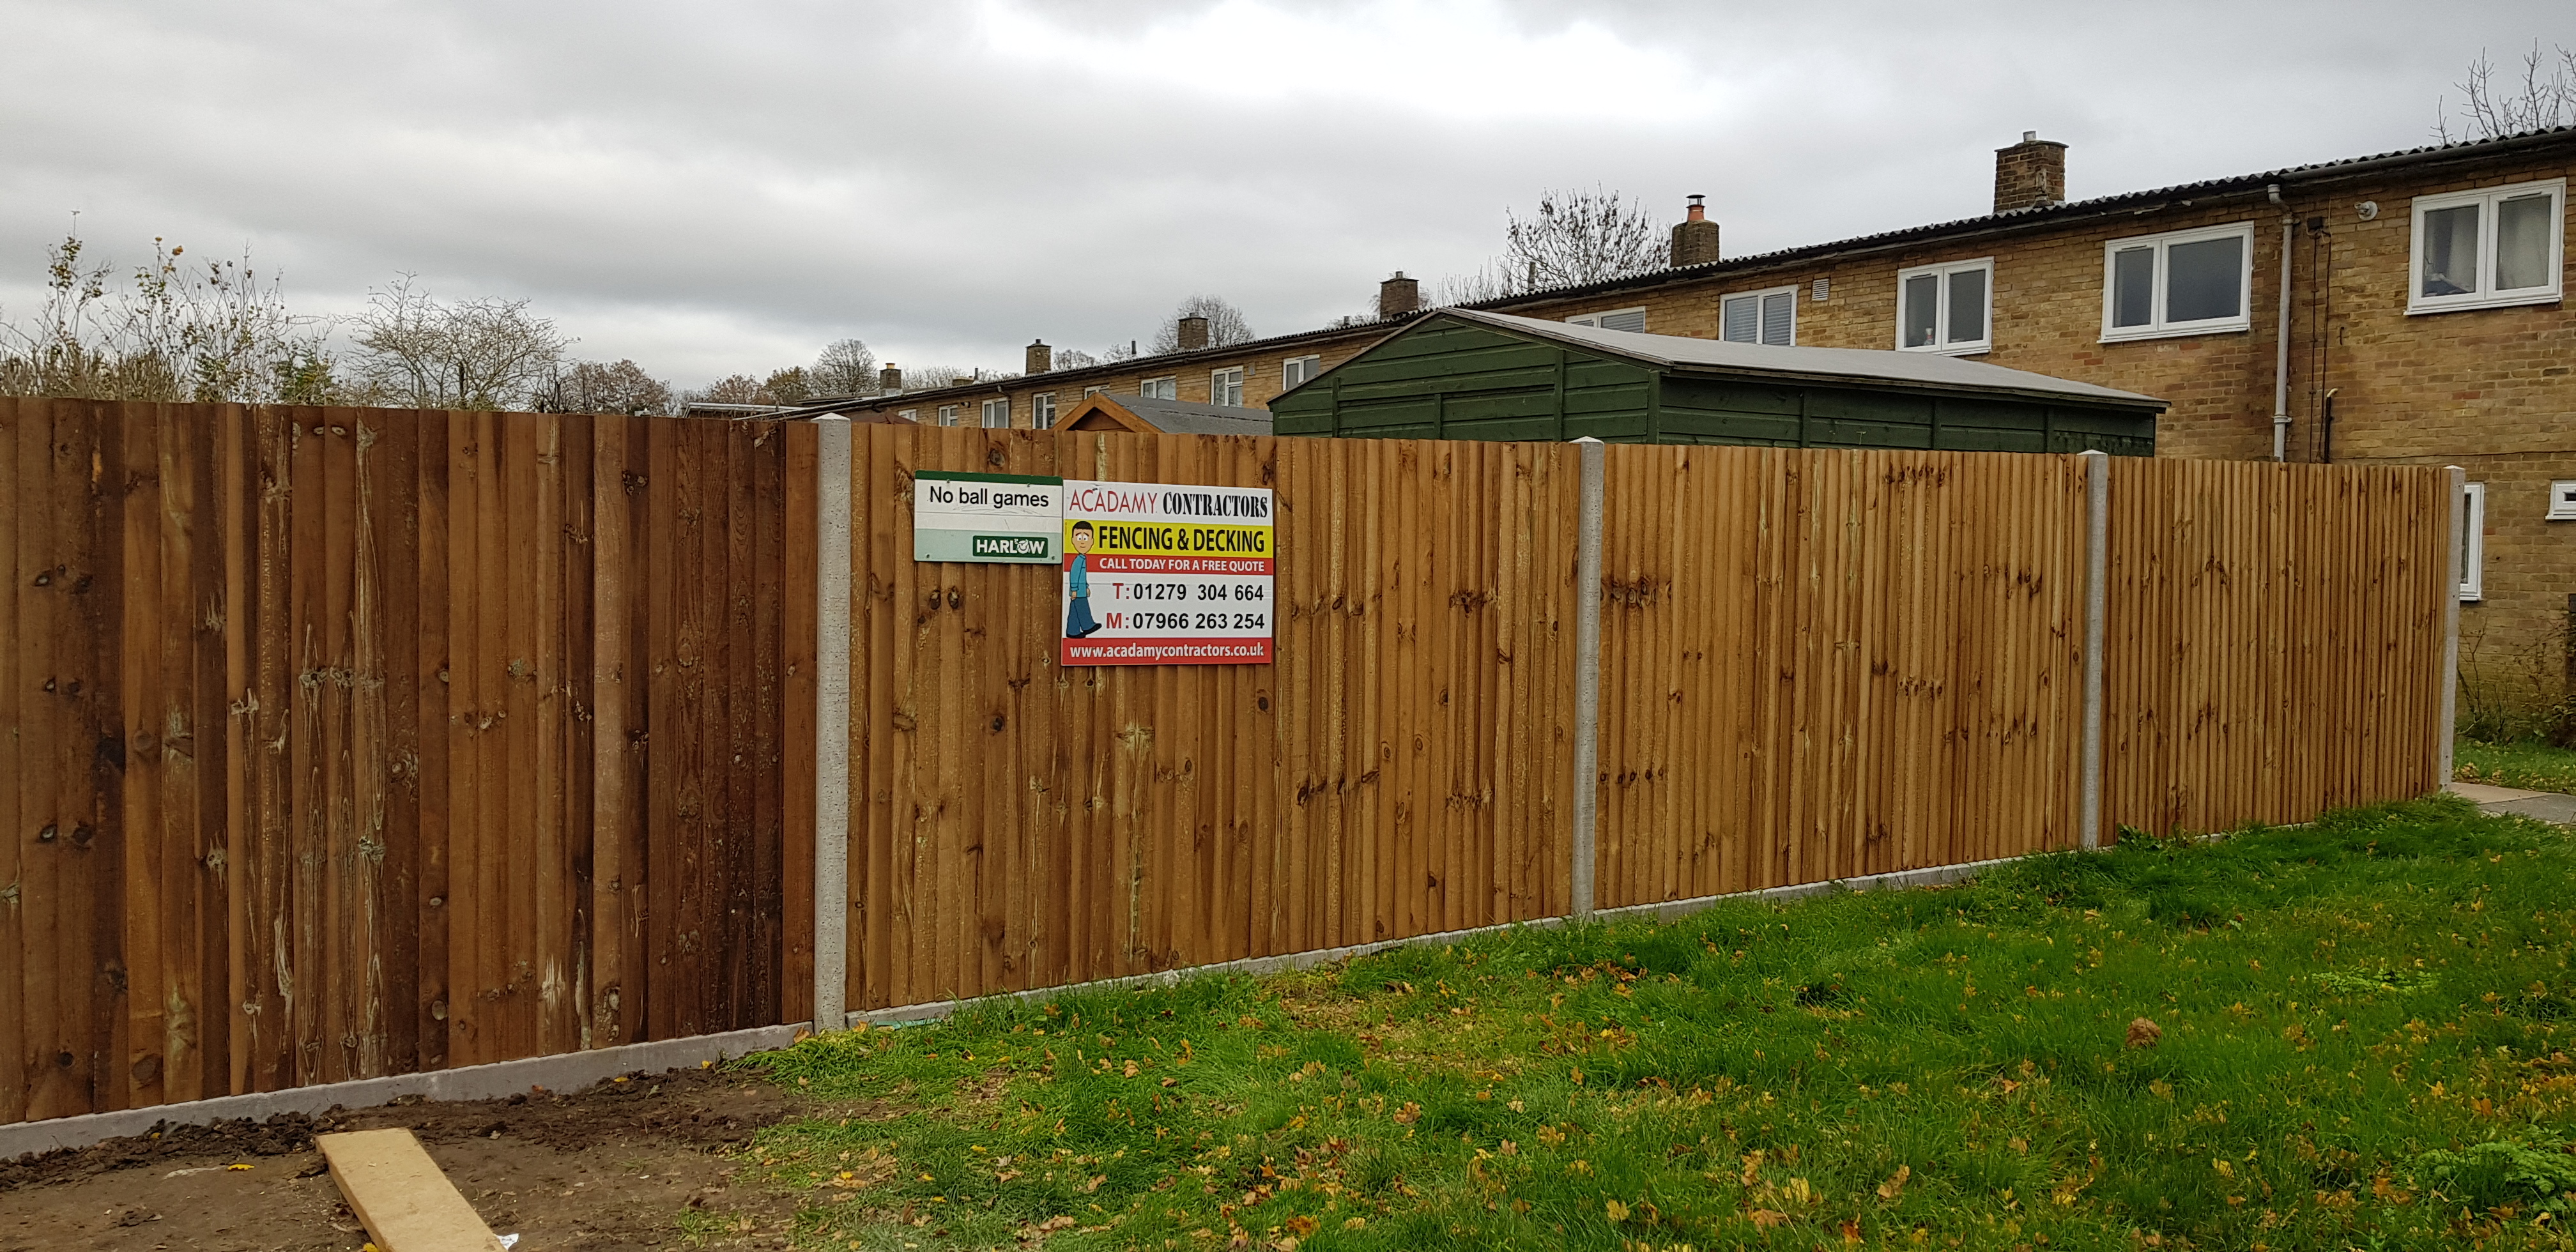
[1580, 237]
[181, 330]
[596, 387]
[791, 385]
[2543, 95]
[1494, 280]
[1226, 324]
[732, 389]
[846, 368]
[475, 354]
[1074, 359]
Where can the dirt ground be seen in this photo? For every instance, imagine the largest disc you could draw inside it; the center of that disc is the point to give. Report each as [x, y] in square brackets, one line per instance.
[620, 1166]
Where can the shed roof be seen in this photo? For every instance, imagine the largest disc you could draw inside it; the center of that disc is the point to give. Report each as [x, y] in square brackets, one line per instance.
[1885, 366]
[1179, 417]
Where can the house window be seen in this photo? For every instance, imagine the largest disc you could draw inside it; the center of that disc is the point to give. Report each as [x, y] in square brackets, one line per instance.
[1297, 369]
[1042, 411]
[947, 415]
[2562, 501]
[2473, 542]
[1160, 389]
[1615, 319]
[1225, 387]
[2191, 282]
[1946, 308]
[910, 415]
[1089, 392]
[997, 413]
[1765, 317]
[2487, 248]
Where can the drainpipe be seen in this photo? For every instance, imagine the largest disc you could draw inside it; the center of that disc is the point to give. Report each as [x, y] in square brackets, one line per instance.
[2281, 361]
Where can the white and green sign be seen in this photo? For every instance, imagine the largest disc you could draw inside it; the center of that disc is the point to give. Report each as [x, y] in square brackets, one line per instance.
[988, 518]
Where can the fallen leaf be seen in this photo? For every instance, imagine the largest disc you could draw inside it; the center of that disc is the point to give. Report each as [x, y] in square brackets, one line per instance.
[1300, 1225]
[1765, 1219]
[1895, 1184]
[1618, 1211]
[2144, 1033]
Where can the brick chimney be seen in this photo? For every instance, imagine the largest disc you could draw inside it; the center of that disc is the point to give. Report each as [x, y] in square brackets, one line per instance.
[1040, 358]
[1398, 295]
[1695, 238]
[890, 379]
[1193, 333]
[2030, 173]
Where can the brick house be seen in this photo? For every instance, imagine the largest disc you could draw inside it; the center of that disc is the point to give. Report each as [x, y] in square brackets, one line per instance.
[2405, 307]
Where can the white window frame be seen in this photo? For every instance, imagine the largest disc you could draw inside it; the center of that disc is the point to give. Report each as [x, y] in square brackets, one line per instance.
[910, 415]
[2562, 501]
[1594, 320]
[1220, 380]
[1089, 392]
[1042, 411]
[947, 415]
[2157, 327]
[1150, 388]
[2484, 297]
[2473, 544]
[1757, 297]
[1000, 407]
[1941, 344]
[1306, 367]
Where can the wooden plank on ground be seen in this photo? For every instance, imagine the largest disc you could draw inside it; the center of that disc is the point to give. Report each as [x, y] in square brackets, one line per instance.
[400, 1196]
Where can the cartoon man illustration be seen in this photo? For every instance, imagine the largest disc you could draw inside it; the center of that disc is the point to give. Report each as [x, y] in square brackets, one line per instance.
[1077, 578]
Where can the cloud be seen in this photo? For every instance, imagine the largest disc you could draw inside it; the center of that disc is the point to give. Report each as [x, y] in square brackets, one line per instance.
[710, 189]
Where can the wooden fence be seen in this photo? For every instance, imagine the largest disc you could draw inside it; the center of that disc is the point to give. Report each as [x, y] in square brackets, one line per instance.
[346, 742]
[337, 743]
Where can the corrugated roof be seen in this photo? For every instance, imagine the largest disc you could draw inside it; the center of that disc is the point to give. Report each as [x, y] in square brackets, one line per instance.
[1847, 365]
[1182, 417]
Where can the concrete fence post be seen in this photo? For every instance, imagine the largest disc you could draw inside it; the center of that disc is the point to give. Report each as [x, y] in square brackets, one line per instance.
[1587, 677]
[2097, 604]
[832, 725]
[2447, 707]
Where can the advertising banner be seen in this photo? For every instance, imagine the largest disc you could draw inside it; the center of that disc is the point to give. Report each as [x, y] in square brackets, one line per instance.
[987, 518]
[1160, 574]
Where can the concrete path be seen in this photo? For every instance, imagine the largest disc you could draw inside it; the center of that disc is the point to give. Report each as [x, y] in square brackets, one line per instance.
[2548, 806]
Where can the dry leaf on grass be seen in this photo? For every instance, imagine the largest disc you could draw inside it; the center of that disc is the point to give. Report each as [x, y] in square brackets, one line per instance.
[2144, 1033]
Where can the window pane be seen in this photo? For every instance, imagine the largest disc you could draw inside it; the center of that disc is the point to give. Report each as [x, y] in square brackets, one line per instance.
[2204, 279]
[1741, 319]
[1922, 309]
[2523, 226]
[2451, 251]
[1634, 319]
[1778, 309]
[1967, 306]
[2133, 287]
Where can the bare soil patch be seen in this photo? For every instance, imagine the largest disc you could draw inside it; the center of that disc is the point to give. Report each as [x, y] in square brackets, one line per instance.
[630, 1164]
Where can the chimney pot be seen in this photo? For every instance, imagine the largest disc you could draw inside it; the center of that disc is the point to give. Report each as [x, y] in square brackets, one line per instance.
[1193, 333]
[890, 379]
[1398, 296]
[1695, 237]
[1040, 358]
[2030, 173]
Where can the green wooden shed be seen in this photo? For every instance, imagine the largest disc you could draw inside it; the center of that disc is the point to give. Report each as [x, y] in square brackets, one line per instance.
[1465, 374]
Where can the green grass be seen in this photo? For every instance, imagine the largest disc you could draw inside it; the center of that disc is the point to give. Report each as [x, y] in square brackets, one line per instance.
[2362, 1031]
[2530, 766]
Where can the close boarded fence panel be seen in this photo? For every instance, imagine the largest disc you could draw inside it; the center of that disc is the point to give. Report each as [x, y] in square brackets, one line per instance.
[352, 742]
[1821, 665]
[2275, 640]
[1403, 769]
[338, 743]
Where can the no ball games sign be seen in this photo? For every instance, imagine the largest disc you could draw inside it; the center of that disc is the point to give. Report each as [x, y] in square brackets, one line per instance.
[1157, 574]
[1007, 518]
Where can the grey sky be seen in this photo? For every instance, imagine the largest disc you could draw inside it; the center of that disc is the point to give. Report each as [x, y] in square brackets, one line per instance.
[710, 188]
